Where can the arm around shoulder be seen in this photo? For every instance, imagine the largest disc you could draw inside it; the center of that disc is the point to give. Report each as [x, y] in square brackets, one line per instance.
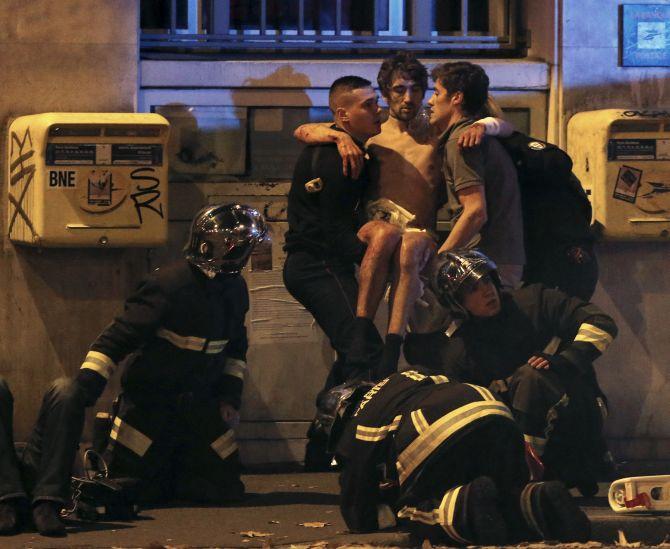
[316, 133]
[320, 133]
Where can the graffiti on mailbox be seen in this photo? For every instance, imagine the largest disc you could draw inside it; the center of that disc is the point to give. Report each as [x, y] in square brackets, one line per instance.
[147, 196]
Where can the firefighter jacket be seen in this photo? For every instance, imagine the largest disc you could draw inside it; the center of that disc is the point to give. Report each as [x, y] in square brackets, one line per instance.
[533, 320]
[186, 333]
[401, 425]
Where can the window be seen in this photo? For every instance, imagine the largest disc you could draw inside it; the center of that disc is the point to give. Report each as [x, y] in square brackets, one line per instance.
[220, 144]
[334, 25]
[256, 144]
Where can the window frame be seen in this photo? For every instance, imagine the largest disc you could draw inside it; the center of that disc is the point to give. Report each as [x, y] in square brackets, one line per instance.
[209, 31]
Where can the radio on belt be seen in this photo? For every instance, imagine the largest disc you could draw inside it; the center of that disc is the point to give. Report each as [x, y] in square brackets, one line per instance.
[88, 180]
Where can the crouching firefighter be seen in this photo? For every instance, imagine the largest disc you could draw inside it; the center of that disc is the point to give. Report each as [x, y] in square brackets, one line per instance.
[534, 347]
[182, 388]
[445, 460]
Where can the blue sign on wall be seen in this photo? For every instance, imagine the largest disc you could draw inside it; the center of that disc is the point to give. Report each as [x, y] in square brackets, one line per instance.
[645, 35]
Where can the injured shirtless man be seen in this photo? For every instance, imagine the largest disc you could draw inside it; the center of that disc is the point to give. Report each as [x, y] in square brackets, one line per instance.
[405, 172]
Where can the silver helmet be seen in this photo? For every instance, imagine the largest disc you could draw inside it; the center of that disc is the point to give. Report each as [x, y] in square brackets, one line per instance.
[223, 237]
[455, 271]
[335, 407]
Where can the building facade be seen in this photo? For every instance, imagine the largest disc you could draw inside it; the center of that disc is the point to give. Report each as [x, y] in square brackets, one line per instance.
[234, 83]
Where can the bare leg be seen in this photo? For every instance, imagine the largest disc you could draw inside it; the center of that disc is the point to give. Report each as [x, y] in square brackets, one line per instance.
[413, 255]
[382, 239]
[415, 251]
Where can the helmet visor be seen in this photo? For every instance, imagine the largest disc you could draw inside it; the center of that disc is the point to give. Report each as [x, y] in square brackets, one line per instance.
[224, 252]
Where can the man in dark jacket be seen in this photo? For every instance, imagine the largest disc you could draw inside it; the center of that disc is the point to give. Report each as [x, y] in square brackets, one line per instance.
[322, 243]
[446, 459]
[181, 388]
[535, 347]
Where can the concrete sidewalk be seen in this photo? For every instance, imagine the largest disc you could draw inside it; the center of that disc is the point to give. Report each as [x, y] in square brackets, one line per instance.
[282, 510]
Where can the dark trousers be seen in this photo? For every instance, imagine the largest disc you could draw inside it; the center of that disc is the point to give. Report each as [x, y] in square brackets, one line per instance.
[329, 291]
[44, 468]
[179, 448]
[565, 409]
[493, 449]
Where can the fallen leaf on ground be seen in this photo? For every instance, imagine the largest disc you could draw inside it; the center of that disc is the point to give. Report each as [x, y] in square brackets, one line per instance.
[314, 524]
[254, 534]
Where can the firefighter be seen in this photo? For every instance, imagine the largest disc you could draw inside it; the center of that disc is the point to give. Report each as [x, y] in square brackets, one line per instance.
[443, 459]
[533, 346]
[181, 390]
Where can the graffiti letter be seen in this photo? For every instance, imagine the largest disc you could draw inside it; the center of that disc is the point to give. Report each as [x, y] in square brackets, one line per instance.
[20, 172]
[144, 197]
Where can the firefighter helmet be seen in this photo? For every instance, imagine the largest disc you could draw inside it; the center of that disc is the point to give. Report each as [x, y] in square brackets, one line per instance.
[455, 271]
[334, 408]
[223, 237]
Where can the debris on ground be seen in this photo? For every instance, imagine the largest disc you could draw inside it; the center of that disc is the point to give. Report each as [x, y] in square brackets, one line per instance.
[254, 534]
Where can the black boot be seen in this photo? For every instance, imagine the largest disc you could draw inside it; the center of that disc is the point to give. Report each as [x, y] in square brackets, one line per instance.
[389, 362]
[550, 511]
[317, 456]
[46, 516]
[9, 522]
[358, 352]
[485, 522]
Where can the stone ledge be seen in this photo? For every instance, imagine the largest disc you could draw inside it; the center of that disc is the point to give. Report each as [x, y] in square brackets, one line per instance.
[504, 74]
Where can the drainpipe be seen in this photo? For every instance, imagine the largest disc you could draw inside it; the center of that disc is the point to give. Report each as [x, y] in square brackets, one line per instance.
[555, 131]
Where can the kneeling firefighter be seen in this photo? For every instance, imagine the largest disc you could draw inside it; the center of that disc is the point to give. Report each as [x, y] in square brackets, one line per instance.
[182, 388]
[534, 347]
[185, 324]
[444, 459]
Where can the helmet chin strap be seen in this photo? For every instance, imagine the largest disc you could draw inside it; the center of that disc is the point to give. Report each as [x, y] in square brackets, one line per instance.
[209, 273]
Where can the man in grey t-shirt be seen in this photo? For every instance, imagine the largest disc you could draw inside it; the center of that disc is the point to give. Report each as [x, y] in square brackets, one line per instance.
[483, 192]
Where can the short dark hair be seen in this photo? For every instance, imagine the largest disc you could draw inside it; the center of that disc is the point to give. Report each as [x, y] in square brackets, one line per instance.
[402, 63]
[469, 79]
[345, 84]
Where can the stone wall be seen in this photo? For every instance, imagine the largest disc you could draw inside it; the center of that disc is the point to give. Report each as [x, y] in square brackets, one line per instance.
[77, 56]
[634, 283]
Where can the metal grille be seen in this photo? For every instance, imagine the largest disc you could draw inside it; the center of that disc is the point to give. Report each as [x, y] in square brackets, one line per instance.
[352, 25]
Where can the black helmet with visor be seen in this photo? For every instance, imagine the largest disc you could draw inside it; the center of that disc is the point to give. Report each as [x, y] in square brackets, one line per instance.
[456, 272]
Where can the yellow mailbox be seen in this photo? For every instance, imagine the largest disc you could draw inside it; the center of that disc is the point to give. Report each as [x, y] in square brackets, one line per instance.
[88, 180]
[622, 158]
